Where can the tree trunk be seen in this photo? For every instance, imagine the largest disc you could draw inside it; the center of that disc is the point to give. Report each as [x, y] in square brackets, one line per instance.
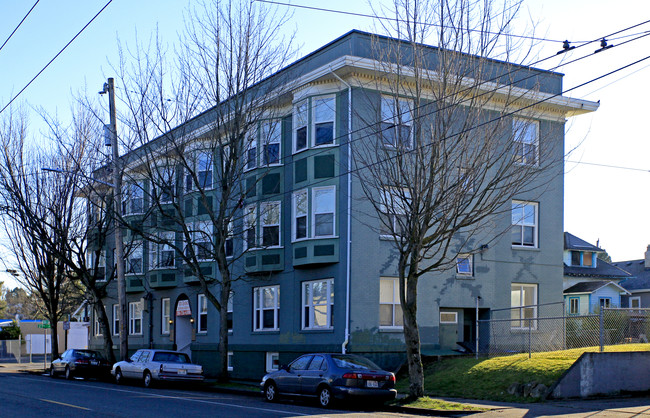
[412, 340]
[223, 331]
[106, 331]
[54, 346]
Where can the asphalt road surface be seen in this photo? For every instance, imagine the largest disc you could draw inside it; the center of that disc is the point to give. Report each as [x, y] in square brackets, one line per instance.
[24, 395]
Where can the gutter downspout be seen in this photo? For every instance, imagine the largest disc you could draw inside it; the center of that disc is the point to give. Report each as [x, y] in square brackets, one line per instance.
[349, 214]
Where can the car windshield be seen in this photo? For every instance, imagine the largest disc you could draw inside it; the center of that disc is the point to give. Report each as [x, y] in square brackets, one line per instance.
[171, 358]
[88, 354]
[354, 362]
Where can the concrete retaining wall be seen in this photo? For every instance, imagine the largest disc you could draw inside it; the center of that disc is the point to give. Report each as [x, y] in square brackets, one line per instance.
[604, 374]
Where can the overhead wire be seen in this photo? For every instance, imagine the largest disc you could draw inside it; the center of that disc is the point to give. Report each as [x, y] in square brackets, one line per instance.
[370, 16]
[55, 57]
[18, 26]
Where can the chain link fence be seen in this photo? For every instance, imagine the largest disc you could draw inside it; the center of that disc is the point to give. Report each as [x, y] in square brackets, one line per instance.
[540, 328]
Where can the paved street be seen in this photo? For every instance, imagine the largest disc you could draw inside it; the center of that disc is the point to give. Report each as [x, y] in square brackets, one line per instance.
[29, 395]
[25, 395]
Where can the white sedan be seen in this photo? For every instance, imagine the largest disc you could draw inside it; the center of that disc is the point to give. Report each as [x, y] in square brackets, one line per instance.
[157, 365]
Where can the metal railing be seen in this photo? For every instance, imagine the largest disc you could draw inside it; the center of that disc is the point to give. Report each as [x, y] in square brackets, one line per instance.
[541, 328]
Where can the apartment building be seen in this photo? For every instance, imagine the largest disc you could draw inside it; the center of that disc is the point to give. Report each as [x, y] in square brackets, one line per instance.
[314, 271]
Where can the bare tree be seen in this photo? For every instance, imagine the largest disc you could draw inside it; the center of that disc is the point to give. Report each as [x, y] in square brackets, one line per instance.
[207, 117]
[46, 219]
[451, 149]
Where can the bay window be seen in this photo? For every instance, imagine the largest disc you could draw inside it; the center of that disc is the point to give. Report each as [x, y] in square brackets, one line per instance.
[271, 142]
[324, 113]
[324, 204]
[300, 209]
[270, 220]
[250, 227]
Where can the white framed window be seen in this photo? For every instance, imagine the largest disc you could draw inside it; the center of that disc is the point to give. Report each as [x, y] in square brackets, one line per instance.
[116, 319]
[524, 224]
[250, 227]
[394, 208]
[526, 141]
[229, 313]
[162, 255]
[318, 304]
[271, 142]
[163, 184]
[165, 316]
[201, 166]
[523, 303]
[270, 220]
[251, 150]
[266, 306]
[133, 198]
[99, 271]
[97, 326]
[324, 209]
[202, 302]
[635, 302]
[134, 257]
[390, 308]
[396, 122]
[324, 115]
[230, 361]
[202, 239]
[135, 318]
[448, 317]
[465, 265]
[300, 125]
[300, 210]
[272, 361]
[574, 306]
[229, 245]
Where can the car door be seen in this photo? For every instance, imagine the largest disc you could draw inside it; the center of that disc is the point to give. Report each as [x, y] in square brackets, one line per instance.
[313, 375]
[142, 363]
[289, 382]
[129, 367]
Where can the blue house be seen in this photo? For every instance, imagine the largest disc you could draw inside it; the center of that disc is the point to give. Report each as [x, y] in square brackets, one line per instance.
[590, 283]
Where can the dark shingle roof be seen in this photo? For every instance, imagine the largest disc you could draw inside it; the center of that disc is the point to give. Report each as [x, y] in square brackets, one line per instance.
[571, 242]
[588, 287]
[603, 270]
[641, 275]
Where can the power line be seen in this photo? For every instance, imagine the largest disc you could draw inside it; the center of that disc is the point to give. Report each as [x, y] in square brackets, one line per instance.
[55, 57]
[21, 22]
[620, 167]
[322, 9]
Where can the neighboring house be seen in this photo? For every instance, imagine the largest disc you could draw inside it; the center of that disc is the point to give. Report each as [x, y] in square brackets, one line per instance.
[303, 293]
[589, 282]
[581, 263]
[589, 297]
[639, 284]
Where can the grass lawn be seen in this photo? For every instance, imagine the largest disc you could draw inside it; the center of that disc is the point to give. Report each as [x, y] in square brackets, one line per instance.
[439, 405]
[465, 377]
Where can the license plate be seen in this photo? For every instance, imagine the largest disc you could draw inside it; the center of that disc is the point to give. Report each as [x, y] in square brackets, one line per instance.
[94, 362]
[182, 371]
[372, 384]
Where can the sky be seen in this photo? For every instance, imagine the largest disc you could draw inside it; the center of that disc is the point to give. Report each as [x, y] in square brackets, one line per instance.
[607, 174]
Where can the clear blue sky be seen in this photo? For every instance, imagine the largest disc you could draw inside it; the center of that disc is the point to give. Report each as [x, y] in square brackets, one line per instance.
[610, 204]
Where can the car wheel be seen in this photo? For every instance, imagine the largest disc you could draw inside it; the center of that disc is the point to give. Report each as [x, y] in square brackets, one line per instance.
[68, 373]
[325, 397]
[271, 392]
[147, 380]
[118, 376]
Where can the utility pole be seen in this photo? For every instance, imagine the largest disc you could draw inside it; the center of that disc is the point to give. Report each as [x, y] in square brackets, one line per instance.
[109, 88]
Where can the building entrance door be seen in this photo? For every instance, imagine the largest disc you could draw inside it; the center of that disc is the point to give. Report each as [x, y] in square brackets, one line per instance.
[183, 321]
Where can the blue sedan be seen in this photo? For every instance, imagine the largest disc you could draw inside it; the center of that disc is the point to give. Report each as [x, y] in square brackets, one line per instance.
[328, 377]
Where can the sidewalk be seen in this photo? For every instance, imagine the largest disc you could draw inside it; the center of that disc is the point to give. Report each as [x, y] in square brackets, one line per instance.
[19, 367]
